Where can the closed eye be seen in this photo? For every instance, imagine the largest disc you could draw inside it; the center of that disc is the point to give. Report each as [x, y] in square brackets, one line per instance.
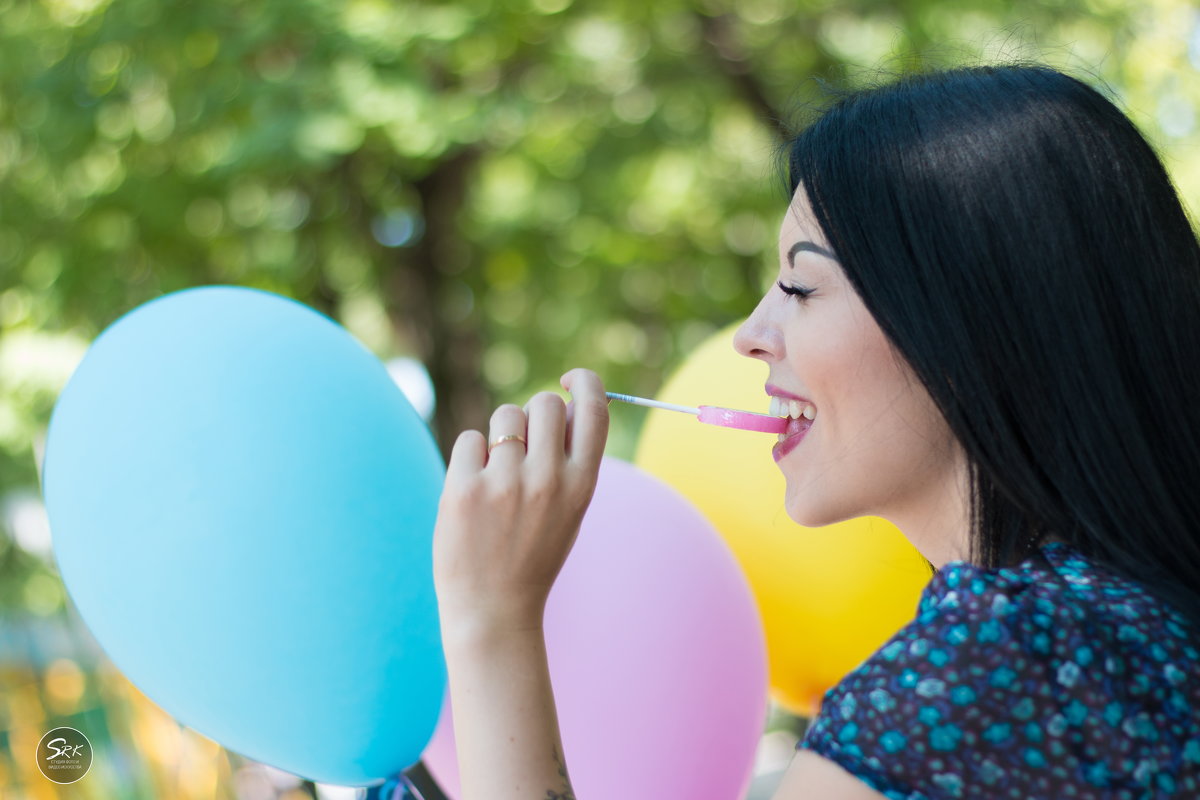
[796, 291]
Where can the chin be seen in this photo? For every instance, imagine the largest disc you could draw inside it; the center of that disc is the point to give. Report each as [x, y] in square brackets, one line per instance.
[812, 516]
[818, 515]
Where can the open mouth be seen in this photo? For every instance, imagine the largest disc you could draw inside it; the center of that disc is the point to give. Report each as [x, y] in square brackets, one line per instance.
[800, 415]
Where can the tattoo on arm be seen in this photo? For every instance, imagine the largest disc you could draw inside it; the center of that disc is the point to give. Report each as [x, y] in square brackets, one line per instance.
[567, 793]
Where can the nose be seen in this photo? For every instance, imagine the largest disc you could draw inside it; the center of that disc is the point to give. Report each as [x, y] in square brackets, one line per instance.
[758, 337]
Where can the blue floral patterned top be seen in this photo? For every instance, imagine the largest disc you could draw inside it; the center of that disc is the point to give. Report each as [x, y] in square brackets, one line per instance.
[1018, 683]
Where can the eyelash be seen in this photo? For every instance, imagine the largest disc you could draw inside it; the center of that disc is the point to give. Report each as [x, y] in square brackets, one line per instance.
[797, 292]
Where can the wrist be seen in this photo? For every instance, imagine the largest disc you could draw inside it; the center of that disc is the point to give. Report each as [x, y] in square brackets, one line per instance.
[478, 642]
[478, 625]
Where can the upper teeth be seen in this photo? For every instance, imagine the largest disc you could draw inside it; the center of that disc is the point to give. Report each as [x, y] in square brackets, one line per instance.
[783, 407]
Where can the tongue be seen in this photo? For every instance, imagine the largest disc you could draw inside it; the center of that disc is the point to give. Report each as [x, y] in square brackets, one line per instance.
[798, 425]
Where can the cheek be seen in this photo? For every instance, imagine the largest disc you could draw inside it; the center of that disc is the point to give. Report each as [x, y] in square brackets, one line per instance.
[893, 413]
[845, 368]
[905, 441]
[877, 426]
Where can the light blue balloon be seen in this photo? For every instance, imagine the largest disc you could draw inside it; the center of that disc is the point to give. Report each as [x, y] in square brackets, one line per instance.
[242, 506]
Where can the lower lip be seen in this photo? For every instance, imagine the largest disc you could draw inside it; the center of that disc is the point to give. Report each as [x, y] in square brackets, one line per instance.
[781, 449]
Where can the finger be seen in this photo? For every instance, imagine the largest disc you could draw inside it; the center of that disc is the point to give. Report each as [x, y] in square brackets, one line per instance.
[547, 414]
[568, 426]
[466, 457]
[589, 429]
[507, 419]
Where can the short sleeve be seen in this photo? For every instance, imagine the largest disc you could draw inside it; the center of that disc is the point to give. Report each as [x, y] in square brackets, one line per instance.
[1005, 685]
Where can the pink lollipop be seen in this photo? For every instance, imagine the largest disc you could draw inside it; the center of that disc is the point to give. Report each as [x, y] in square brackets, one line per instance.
[715, 415]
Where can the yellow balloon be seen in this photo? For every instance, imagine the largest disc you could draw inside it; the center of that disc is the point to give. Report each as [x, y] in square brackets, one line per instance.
[829, 597]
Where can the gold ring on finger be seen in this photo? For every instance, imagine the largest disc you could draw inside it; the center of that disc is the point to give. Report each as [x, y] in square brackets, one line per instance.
[511, 437]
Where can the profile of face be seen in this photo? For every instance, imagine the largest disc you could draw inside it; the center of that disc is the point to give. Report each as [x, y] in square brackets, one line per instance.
[877, 444]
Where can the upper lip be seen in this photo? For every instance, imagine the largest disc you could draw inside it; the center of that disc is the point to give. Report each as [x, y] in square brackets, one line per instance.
[772, 389]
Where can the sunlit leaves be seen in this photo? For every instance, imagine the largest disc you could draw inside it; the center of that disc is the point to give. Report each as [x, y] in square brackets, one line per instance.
[505, 190]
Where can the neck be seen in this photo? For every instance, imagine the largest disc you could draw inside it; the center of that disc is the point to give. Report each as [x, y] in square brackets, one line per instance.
[936, 522]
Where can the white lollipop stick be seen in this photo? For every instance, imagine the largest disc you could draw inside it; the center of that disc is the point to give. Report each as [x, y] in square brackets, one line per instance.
[715, 415]
[642, 401]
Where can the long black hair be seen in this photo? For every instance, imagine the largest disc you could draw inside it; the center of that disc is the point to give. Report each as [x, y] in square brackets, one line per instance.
[1021, 245]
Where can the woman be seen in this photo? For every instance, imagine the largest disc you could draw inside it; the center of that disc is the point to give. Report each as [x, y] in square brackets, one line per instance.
[989, 294]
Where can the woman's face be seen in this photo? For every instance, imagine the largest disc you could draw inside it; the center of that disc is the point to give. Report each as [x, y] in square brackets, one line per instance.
[876, 444]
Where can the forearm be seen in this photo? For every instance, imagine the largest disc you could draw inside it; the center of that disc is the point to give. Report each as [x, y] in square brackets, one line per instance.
[505, 723]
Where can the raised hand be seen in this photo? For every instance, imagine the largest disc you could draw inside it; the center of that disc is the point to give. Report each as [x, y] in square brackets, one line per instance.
[512, 505]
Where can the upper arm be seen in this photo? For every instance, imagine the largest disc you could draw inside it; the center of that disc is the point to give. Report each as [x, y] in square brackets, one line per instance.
[813, 777]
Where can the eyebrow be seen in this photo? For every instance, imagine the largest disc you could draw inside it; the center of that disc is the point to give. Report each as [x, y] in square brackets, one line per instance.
[810, 247]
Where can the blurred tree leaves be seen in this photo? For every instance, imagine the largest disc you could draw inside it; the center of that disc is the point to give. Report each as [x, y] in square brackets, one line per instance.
[504, 190]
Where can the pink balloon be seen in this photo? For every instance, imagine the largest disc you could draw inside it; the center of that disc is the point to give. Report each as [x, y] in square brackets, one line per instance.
[656, 651]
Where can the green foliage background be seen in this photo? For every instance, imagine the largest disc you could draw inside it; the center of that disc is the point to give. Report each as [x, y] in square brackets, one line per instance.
[503, 190]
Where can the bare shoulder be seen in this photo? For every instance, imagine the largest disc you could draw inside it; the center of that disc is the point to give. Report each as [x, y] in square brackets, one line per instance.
[811, 776]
